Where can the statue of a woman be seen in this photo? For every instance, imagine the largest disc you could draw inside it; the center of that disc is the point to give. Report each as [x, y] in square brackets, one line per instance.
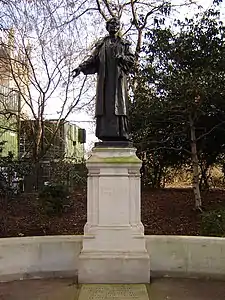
[112, 60]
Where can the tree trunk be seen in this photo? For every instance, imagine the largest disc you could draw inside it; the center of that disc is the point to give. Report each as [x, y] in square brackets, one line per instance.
[195, 166]
[204, 179]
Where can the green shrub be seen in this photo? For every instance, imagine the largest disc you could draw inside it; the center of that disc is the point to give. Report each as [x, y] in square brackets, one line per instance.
[53, 199]
[213, 223]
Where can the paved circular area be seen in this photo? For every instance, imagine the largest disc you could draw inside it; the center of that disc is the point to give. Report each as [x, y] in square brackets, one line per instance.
[67, 289]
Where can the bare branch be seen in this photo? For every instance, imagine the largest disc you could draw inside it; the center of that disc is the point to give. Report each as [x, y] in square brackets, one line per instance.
[106, 2]
[211, 130]
[100, 10]
[171, 148]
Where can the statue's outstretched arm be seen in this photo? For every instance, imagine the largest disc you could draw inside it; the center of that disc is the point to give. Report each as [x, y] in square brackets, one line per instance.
[89, 66]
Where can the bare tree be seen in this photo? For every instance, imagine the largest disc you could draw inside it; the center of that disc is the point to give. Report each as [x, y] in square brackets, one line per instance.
[38, 59]
[137, 15]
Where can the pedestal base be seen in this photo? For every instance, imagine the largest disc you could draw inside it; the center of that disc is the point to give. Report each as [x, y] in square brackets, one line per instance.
[114, 249]
[114, 267]
[114, 144]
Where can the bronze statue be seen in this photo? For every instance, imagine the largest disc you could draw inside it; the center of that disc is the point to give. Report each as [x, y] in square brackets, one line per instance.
[112, 60]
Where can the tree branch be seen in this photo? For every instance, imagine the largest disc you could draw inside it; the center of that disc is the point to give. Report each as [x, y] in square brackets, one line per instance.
[211, 130]
[100, 10]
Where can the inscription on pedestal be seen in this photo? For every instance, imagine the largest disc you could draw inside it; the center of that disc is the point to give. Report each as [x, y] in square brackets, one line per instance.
[113, 292]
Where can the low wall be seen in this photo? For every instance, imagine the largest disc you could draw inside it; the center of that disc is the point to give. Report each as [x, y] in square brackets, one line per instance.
[56, 256]
[37, 257]
[186, 256]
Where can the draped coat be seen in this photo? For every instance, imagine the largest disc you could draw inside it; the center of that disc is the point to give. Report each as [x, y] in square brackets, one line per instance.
[97, 63]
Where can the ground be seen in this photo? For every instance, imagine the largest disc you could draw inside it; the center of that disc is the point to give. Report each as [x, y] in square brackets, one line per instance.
[164, 211]
[159, 289]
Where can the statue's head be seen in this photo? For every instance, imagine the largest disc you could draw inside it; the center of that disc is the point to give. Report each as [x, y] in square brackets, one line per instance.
[113, 25]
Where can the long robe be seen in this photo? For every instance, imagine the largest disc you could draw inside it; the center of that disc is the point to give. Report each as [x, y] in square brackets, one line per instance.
[111, 96]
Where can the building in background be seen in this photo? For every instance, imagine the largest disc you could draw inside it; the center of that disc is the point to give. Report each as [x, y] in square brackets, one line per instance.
[17, 130]
[63, 153]
[63, 143]
[13, 78]
[9, 100]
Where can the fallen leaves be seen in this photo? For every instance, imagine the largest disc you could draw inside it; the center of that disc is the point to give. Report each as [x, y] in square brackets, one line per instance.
[164, 211]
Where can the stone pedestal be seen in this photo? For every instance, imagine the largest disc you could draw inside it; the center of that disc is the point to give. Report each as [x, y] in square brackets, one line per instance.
[114, 248]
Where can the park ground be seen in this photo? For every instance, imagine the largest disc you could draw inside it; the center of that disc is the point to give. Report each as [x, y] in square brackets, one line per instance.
[164, 211]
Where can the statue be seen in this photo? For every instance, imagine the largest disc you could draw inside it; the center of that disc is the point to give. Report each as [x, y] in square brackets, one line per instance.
[112, 60]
